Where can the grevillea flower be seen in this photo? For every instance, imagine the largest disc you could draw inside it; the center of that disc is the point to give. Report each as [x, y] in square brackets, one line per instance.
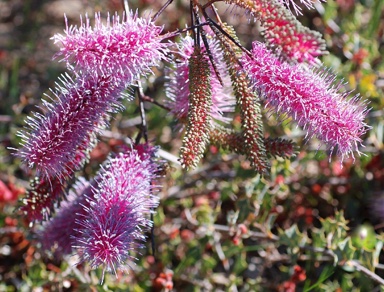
[177, 88]
[296, 7]
[117, 215]
[283, 31]
[312, 97]
[59, 141]
[58, 233]
[123, 48]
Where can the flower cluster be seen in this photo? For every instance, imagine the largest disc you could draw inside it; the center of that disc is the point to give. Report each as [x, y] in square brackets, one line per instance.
[102, 61]
[310, 96]
[106, 59]
[104, 219]
[211, 79]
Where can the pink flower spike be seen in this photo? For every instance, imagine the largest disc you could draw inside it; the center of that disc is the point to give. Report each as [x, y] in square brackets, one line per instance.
[125, 48]
[177, 88]
[312, 97]
[118, 214]
[282, 31]
[58, 142]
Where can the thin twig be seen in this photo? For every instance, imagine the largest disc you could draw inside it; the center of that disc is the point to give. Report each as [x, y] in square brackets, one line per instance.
[209, 4]
[365, 271]
[209, 52]
[203, 283]
[254, 234]
[189, 217]
[144, 130]
[144, 133]
[211, 22]
[151, 100]
[354, 263]
[196, 20]
[180, 31]
[220, 252]
[193, 23]
[154, 18]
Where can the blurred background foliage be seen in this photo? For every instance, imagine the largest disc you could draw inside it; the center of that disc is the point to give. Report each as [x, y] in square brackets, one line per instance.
[313, 224]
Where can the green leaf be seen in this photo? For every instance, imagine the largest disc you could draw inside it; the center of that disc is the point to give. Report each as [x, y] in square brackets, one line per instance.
[326, 273]
[192, 256]
[376, 253]
[269, 223]
[240, 264]
[345, 249]
[375, 19]
[244, 209]
[293, 239]
[208, 263]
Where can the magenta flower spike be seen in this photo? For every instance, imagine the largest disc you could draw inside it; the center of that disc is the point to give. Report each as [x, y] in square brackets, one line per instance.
[117, 215]
[311, 97]
[282, 31]
[125, 48]
[59, 141]
[177, 88]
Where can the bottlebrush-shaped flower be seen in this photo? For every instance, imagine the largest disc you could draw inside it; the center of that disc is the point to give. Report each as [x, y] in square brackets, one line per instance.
[123, 48]
[58, 233]
[59, 141]
[177, 88]
[117, 216]
[284, 31]
[199, 120]
[312, 97]
[248, 102]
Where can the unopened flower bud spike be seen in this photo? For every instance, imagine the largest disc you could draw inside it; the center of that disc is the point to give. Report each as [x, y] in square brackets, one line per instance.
[197, 133]
[247, 101]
